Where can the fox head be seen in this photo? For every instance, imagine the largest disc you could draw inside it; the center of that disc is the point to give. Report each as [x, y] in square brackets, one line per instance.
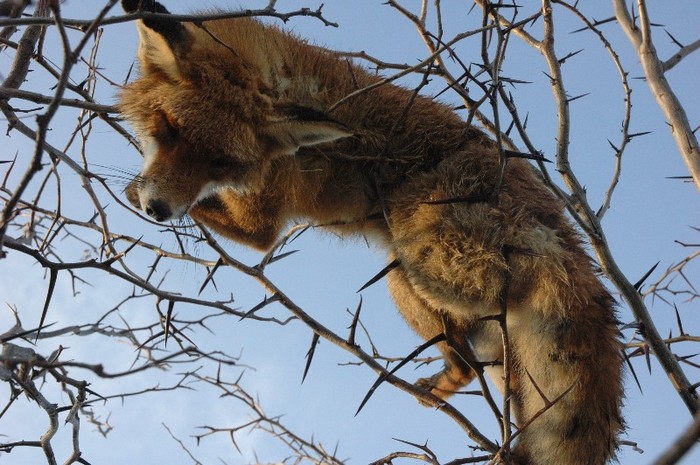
[205, 116]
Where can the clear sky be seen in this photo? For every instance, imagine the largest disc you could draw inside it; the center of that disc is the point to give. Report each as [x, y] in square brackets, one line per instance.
[649, 212]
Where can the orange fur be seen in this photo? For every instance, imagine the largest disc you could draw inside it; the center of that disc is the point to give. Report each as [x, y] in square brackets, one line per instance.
[237, 134]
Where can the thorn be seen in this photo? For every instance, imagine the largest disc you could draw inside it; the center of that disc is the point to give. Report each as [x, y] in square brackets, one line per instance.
[384, 271]
[281, 256]
[353, 325]
[497, 6]
[310, 356]
[210, 276]
[595, 23]
[530, 156]
[513, 80]
[547, 402]
[510, 128]
[459, 199]
[168, 321]
[265, 302]
[53, 274]
[569, 100]
[634, 373]
[298, 234]
[647, 356]
[678, 321]
[121, 255]
[675, 41]
[572, 54]
[640, 283]
[439, 338]
[688, 357]
[24, 333]
[637, 134]
[423, 447]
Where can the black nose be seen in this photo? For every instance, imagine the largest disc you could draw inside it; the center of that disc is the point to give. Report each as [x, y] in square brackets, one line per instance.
[158, 210]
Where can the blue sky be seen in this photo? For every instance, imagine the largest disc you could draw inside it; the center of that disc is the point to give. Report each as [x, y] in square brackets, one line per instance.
[648, 213]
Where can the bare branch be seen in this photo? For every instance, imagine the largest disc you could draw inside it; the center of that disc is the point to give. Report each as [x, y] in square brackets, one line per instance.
[654, 69]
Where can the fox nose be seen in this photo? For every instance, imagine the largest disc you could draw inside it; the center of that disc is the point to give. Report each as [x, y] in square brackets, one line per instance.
[158, 210]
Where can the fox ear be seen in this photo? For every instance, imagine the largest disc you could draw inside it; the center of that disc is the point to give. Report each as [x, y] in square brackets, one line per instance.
[161, 40]
[300, 127]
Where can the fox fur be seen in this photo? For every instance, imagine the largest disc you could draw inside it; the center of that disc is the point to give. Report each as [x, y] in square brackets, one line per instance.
[235, 130]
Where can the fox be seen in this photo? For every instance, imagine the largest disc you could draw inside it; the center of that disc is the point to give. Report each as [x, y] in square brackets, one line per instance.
[246, 128]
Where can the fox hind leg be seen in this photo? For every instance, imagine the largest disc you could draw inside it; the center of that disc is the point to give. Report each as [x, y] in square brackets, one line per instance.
[429, 322]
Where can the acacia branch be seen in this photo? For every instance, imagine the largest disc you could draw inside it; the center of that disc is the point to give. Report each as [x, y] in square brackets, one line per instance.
[680, 54]
[423, 396]
[654, 69]
[682, 445]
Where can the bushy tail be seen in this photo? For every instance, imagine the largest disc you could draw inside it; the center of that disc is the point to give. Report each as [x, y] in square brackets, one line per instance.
[570, 389]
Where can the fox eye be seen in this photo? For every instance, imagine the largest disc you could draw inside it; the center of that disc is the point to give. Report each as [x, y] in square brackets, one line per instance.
[171, 128]
[222, 163]
[167, 128]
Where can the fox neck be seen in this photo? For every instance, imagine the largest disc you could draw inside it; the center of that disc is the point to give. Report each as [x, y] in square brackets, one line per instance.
[396, 131]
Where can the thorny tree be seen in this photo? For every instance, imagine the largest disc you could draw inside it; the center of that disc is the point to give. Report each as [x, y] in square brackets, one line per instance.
[64, 212]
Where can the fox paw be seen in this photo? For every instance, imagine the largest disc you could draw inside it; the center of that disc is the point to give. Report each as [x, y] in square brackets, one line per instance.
[434, 385]
[447, 382]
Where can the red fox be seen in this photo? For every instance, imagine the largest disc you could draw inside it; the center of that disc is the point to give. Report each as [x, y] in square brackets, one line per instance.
[233, 117]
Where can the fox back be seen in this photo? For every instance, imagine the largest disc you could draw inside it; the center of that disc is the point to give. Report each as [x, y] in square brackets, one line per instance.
[245, 127]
